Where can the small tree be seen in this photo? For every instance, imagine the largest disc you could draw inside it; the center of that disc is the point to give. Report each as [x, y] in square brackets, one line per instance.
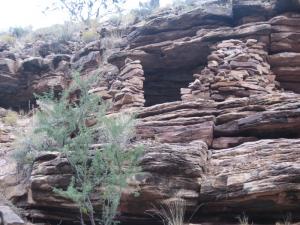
[71, 127]
[84, 10]
[19, 32]
[145, 9]
[150, 5]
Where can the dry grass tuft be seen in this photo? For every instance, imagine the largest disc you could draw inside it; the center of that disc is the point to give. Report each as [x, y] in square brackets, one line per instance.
[244, 220]
[172, 212]
[286, 221]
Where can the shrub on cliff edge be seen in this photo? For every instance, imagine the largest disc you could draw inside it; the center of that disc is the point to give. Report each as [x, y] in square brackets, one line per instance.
[71, 126]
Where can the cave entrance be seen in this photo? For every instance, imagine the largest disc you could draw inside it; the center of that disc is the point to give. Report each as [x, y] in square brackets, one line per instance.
[164, 85]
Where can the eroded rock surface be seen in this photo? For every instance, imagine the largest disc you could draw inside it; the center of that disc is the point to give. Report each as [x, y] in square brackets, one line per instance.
[10, 125]
[258, 177]
[200, 163]
[183, 162]
[216, 93]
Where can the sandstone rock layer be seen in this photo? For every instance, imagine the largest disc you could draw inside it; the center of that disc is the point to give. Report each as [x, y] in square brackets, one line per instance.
[215, 90]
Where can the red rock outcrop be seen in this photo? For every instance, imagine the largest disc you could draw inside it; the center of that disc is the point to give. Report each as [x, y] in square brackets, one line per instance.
[19, 79]
[231, 145]
[183, 162]
[259, 177]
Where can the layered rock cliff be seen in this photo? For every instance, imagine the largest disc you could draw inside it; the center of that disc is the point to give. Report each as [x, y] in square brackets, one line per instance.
[217, 98]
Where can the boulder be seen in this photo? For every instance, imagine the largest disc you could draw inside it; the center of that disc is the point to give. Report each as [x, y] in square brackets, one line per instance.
[184, 162]
[3, 46]
[255, 177]
[8, 217]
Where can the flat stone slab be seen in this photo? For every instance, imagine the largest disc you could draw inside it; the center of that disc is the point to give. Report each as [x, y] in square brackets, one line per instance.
[9, 217]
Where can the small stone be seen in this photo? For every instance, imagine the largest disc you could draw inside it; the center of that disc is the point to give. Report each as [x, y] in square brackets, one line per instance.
[251, 42]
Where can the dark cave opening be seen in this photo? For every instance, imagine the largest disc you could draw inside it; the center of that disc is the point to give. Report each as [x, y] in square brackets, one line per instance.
[164, 85]
[12, 104]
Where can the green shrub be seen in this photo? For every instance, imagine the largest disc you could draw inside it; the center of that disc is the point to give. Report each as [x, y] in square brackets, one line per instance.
[61, 33]
[10, 118]
[111, 42]
[129, 19]
[66, 128]
[19, 32]
[27, 146]
[89, 35]
[8, 38]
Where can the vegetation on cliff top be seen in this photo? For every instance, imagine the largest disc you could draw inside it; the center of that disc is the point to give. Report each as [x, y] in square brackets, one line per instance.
[87, 18]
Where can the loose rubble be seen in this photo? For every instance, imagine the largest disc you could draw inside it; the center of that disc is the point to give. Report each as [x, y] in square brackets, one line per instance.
[235, 69]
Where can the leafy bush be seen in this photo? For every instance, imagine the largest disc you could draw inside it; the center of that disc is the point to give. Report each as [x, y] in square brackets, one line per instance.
[72, 127]
[136, 15]
[89, 35]
[129, 19]
[110, 43]
[85, 11]
[15, 34]
[61, 33]
[8, 38]
[19, 32]
[27, 146]
[10, 118]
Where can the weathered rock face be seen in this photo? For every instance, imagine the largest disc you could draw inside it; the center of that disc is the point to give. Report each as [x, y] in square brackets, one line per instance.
[285, 46]
[184, 162]
[260, 116]
[10, 185]
[200, 163]
[171, 49]
[212, 91]
[235, 69]
[182, 56]
[19, 79]
[127, 91]
[256, 177]
[45, 66]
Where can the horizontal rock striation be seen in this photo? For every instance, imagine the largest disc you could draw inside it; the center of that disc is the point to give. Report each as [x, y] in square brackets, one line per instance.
[285, 49]
[128, 90]
[255, 177]
[43, 67]
[184, 162]
[216, 95]
[19, 79]
[170, 52]
[235, 69]
[218, 155]
[278, 33]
